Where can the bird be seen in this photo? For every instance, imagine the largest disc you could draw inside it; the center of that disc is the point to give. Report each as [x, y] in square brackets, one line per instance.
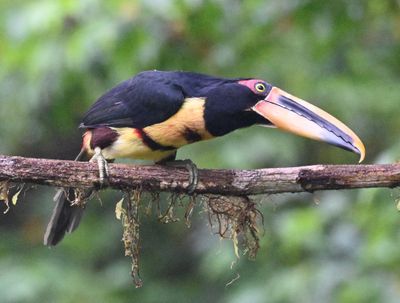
[154, 113]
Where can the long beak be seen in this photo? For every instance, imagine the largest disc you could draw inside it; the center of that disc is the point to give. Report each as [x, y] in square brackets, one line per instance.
[297, 116]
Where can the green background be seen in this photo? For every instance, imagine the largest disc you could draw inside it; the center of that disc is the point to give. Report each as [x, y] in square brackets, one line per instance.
[57, 57]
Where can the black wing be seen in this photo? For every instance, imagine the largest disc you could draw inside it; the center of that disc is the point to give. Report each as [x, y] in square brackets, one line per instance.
[146, 99]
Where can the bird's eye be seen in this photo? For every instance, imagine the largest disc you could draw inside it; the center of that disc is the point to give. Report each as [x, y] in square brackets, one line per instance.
[260, 87]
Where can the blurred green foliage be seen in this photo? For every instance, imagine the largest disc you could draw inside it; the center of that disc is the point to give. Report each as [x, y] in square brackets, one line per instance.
[57, 57]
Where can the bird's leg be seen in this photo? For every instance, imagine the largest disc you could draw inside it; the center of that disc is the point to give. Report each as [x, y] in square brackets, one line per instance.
[193, 172]
[102, 164]
[189, 165]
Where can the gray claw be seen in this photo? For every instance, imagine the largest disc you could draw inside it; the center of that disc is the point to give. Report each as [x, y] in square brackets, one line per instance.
[193, 173]
[102, 164]
[193, 176]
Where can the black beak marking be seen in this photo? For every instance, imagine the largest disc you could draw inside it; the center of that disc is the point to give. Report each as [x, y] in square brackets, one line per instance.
[300, 110]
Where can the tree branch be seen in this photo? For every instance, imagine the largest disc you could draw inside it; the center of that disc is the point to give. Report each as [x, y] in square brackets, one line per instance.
[223, 181]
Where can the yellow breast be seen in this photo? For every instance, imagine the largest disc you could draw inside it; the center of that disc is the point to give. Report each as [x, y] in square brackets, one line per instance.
[185, 127]
[130, 145]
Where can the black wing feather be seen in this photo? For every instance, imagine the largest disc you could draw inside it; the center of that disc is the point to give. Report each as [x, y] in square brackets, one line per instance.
[148, 98]
[138, 102]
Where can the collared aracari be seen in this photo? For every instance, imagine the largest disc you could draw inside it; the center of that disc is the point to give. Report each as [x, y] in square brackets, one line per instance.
[154, 113]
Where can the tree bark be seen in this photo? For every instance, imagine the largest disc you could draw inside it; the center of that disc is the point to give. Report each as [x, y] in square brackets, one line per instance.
[63, 173]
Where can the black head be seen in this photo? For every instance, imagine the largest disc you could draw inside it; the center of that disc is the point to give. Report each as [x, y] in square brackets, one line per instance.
[251, 101]
[229, 106]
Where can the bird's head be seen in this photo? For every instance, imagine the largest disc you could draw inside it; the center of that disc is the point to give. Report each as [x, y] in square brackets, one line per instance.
[246, 102]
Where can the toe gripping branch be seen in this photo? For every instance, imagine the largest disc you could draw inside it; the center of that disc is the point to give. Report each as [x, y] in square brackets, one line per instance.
[102, 164]
[193, 172]
[187, 163]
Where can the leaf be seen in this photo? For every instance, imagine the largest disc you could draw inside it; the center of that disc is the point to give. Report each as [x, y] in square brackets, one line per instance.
[119, 210]
[14, 199]
[4, 188]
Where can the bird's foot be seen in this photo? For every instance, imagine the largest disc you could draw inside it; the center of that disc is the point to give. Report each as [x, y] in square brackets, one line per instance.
[102, 164]
[193, 172]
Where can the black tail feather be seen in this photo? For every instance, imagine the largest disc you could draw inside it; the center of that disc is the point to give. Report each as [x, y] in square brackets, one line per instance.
[65, 217]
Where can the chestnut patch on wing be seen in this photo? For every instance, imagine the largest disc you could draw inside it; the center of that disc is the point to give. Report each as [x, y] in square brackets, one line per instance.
[102, 137]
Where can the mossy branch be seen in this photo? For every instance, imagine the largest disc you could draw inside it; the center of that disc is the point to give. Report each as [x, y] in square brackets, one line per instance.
[224, 193]
[228, 182]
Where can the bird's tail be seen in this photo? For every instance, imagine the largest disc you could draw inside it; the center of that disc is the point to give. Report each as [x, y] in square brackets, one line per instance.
[65, 217]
